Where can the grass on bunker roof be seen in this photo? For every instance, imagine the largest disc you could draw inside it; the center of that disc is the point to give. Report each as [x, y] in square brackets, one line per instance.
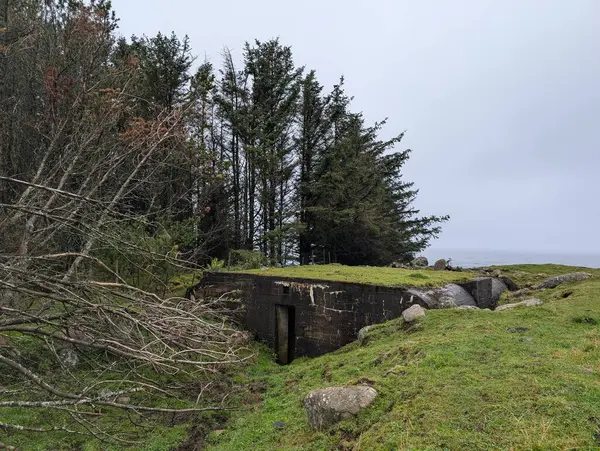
[371, 275]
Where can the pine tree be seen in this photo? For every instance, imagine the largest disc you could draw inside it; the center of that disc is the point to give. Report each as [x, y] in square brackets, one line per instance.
[313, 137]
[275, 90]
[363, 214]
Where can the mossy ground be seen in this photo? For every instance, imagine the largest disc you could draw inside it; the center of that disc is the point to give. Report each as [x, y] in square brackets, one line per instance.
[527, 378]
[371, 275]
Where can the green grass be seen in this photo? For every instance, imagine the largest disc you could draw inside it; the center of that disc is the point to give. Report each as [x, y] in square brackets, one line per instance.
[534, 274]
[457, 380]
[367, 275]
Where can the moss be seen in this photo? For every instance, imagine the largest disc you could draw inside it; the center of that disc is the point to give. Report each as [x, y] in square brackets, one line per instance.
[372, 275]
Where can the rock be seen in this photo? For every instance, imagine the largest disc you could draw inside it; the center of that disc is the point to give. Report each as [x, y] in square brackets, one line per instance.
[440, 265]
[510, 284]
[279, 425]
[413, 313]
[553, 282]
[448, 296]
[467, 307]
[498, 287]
[362, 333]
[68, 357]
[454, 295]
[420, 262]
[330, 405]
[526, 303]
[521, 292]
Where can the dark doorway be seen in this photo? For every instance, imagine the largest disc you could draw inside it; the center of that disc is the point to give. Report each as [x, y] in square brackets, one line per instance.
[285, 335]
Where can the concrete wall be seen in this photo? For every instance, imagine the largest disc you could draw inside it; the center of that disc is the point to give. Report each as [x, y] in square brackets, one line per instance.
[327, 314]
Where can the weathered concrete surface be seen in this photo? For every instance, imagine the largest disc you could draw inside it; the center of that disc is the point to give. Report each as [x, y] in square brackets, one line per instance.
[330, 405]
[327, 314]
[481, 290]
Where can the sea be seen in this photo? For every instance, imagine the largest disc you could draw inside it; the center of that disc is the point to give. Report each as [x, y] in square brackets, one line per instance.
[477, 258]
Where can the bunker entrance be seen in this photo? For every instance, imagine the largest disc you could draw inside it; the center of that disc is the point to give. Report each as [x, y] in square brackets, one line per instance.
[285, 336]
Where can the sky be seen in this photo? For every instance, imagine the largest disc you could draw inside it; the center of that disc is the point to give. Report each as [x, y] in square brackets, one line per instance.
[500, 99]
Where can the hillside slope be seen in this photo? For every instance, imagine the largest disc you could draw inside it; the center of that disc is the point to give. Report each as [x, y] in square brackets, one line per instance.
[517, 379]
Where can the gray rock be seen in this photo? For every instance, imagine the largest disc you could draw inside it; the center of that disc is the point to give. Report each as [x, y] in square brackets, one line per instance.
[420, 262]
[362, 333]
[510, 284]
[440, 265]
[553, 282]
[448, 296]
[330, 405]
[279, 425]
[68, 357]
[526, 303]
[521, 292]
[467, 307]
[453, 295]
[413, 313]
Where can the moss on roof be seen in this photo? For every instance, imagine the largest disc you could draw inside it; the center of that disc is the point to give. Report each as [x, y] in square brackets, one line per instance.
[371, 275]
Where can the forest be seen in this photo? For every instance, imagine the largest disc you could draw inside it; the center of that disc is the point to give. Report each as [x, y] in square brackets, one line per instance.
[126, 161]
[216, 156]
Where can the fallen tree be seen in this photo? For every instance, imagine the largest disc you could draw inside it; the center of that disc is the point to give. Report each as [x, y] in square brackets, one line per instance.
[79, 335]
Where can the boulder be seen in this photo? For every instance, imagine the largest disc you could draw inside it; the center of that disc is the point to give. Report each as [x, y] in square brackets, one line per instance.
[328, 406]
[440, 265]
[453, 295]
[526, 303]
[420, 262]
[553, 282]
[521, 292]
[510, 284]
[362, 333]
[467, 307]
[448, 296]
[413, 313]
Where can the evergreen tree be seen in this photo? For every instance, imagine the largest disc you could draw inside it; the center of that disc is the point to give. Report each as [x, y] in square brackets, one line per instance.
[275, 90]
[363, 212]
[313, 137]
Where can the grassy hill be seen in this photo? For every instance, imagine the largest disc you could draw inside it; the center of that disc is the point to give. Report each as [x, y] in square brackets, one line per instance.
[527, 378]
[460, 379]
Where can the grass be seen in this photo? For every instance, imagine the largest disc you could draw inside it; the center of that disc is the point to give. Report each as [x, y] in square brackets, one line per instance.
[366, 275]
[527, 378]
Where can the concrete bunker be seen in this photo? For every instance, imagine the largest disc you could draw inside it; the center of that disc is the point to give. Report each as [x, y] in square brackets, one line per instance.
[304, 317]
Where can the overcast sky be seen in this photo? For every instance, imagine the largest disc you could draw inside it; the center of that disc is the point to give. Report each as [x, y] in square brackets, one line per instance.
[500, 99]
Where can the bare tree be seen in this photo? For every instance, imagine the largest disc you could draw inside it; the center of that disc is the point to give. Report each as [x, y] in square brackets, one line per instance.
[112, 345]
